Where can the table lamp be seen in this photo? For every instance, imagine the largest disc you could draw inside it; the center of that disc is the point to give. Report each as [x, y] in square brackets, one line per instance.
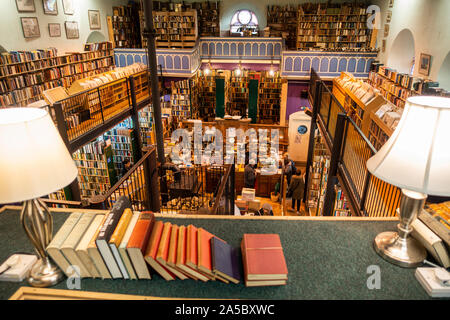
[416, 158]
[34, 162]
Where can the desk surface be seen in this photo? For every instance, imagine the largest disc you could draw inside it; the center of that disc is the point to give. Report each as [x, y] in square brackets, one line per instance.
[326, 259]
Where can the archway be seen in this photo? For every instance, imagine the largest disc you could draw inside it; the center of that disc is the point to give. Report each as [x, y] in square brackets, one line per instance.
[96, 36]
[444, 73]
[402, 53]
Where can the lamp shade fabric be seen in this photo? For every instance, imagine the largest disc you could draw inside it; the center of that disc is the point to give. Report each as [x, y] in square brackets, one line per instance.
[417, 156]
[34, 160]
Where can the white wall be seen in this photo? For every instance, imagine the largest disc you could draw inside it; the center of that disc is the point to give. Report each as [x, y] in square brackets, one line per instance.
[429, 22]
[12, 34]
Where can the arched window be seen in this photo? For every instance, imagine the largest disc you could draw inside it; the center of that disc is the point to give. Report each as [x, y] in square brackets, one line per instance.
[244, 23]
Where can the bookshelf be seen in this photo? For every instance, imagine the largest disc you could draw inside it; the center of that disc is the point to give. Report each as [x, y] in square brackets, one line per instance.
[341, 204]
[238, 93]
[282, 22]
[269, 98]
[123, 144]
[146, 125]
[208, 13]
[395, 87]
[333, 27]
[96, 172]
[24, 75]
[181, 99]
[318, 176]
[358, 98]
[175, 29]
[204, 96]
[127, 33]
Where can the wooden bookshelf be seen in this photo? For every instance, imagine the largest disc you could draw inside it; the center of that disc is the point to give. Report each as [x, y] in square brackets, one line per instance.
[269, 98]
[358, 110]
[208, 14]
[282, 22]
[379, 132]
[395, 87]
[333, 27]
[96, 173]
[237, 94]
[175, 29]
[123, 144]
[127, 33]
[204, 96]
[181, 99]
[341, 203]
[25, 75]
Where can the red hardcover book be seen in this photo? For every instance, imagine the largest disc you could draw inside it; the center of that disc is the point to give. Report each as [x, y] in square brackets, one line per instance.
[182, 256]
[263, 258]
[191, 250]
[152, 250]
[137, 244]
[204, 262]
[163, 251]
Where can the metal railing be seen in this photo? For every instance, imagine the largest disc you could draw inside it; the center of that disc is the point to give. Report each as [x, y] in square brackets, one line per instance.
[87, 110]
[368, 195]
[196, 190]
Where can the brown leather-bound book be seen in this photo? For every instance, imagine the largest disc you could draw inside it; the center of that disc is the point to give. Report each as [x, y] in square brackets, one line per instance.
[152, 250]
[163, 251]
[137, 244]
[181, 256]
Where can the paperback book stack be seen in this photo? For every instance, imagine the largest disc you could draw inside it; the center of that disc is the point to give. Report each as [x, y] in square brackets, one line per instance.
[128, 245]
[263, 259]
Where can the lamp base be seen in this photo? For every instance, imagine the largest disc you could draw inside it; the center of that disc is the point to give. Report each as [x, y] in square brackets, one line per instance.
[44, 274]
[407, 253]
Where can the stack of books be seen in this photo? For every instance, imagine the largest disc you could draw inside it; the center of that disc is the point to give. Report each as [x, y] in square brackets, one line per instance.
[127, 245]
[263, 259]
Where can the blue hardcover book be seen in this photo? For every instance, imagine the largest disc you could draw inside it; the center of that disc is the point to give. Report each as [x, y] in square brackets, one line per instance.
[225, 260]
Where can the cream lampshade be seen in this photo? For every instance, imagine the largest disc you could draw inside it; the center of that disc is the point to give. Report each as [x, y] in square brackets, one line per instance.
[417, 159]
[34, 162]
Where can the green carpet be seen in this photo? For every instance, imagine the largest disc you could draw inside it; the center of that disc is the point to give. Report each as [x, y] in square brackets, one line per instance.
[325, 259]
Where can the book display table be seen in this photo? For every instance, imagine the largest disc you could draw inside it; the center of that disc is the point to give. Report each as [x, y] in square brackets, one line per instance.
[327, 258]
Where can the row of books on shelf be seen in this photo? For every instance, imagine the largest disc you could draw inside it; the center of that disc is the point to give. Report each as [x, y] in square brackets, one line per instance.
[24, 56]
[134, 245]
[98, 46]
[335, 19]
[93, 172]
[331, 32]
[341, 204]
[363, 91]
[332, 38]
[337, 9]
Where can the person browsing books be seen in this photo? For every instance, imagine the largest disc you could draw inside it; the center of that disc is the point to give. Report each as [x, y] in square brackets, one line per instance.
[296, 188]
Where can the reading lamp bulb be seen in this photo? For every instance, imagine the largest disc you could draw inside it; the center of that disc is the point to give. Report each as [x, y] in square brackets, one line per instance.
[271, 73]
[238, 72]
[207, 71]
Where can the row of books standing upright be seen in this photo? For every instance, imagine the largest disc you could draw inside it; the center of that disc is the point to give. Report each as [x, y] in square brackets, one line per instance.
[123, 244]
[24, 75]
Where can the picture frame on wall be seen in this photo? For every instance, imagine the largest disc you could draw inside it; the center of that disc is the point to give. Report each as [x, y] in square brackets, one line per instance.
[425, 64]
[389, 16]
[30, 27]
[386, 30]
[25, 6]
[50, 7]
[72, 31]
[54, 30]
[68, 7]
[94, 19]
[383, 46]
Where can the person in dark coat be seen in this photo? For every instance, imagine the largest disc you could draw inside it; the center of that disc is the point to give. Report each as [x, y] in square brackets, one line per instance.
[296, 188]
[250, 176]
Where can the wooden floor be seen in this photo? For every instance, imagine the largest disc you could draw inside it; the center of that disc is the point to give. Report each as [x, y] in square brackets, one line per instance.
[276, 207]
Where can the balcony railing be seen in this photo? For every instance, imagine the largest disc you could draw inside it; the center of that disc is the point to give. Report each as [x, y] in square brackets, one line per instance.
[368, 195]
